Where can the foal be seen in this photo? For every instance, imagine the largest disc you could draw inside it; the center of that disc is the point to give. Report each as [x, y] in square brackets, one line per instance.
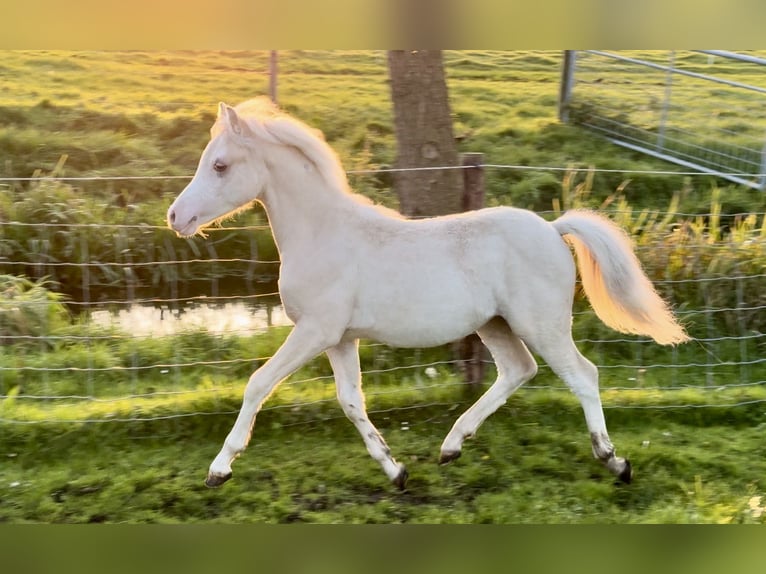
[352, 270]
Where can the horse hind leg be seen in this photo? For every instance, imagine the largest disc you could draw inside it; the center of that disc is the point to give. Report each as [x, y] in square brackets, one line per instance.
[581, 376]
[583, 381]
[344, 359]
[515, 365]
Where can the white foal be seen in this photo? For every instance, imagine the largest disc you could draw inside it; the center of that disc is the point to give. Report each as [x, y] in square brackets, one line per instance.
[351, 270]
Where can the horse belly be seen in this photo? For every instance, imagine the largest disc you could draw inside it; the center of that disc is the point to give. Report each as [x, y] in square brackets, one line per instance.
[421, 310]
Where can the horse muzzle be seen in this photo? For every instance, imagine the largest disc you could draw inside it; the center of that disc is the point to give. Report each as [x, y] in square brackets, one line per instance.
[183, 226]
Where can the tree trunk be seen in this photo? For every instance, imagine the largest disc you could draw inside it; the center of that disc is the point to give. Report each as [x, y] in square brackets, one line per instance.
[424, 136]
[423, 127]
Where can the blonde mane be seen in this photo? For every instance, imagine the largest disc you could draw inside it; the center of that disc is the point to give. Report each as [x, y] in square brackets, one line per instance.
[268, 122]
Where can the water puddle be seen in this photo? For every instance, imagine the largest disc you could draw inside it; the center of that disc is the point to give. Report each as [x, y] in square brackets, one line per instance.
[240, 318]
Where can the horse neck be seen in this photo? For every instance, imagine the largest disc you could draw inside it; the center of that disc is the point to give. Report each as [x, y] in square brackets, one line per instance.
[300, 202]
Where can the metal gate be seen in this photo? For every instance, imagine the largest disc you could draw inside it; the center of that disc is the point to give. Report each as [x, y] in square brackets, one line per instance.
[702, 109]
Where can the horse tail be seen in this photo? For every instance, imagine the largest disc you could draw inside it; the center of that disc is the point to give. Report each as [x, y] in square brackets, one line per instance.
[621, 294]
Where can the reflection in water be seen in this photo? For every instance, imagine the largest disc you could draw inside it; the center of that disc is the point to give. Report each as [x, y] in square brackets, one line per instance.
[234, 317]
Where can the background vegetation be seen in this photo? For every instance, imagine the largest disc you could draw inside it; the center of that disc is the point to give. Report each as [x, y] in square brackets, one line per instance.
[144, 430]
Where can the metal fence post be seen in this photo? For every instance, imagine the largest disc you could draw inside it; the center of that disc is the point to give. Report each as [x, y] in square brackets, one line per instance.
[567, 81]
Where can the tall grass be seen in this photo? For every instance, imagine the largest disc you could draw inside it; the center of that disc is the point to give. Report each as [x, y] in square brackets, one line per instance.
[29, 310]
[54, 230]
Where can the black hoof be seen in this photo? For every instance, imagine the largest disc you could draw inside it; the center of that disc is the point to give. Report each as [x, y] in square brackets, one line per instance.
[401, 479]
[446, 457]
[626, 475]
[215, 480]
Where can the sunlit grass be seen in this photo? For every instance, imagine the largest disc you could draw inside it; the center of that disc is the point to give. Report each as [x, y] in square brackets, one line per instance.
[529, 463]
[697, 447]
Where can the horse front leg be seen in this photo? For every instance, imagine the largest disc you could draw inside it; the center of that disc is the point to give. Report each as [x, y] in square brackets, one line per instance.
[344, 359]
[302, 344]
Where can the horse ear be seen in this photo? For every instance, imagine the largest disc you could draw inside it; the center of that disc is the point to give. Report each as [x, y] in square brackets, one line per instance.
[229, 114]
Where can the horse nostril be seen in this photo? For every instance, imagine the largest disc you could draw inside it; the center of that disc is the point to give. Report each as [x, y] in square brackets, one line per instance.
[172, 217]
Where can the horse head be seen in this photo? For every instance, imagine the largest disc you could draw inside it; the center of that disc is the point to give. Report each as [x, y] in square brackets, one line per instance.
[230, 176]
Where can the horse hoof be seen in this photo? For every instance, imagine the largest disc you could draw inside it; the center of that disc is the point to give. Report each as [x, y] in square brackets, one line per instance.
[627, 473]
[215, 480]
[401, 478]
[449, 456]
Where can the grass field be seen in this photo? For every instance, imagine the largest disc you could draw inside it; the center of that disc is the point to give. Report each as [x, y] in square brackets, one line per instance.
[698, 458]
[530, 463]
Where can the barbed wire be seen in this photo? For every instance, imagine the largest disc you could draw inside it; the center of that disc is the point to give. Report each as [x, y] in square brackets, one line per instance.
[223, 363]
[372, 171]
[102, 265]
[373, 412]
[373, 392]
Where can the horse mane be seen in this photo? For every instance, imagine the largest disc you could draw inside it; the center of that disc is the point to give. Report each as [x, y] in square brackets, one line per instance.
[268, 122]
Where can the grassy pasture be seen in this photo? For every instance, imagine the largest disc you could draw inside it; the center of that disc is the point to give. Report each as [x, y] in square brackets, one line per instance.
[141, 114]
[147, 114]
[530, 463]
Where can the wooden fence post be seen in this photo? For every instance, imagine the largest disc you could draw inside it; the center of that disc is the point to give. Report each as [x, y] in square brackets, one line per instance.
[473, 181]
[470, 350]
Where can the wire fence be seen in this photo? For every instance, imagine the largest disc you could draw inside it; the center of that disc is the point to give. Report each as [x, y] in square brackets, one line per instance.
[109, 358]
[516, 167]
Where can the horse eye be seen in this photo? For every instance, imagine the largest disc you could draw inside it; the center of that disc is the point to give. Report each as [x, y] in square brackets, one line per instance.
[219, 166]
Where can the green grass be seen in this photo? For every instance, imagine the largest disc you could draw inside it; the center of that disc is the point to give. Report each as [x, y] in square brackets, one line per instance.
[148, 114]
[698, 458]
[530, 463]
[142, 114]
